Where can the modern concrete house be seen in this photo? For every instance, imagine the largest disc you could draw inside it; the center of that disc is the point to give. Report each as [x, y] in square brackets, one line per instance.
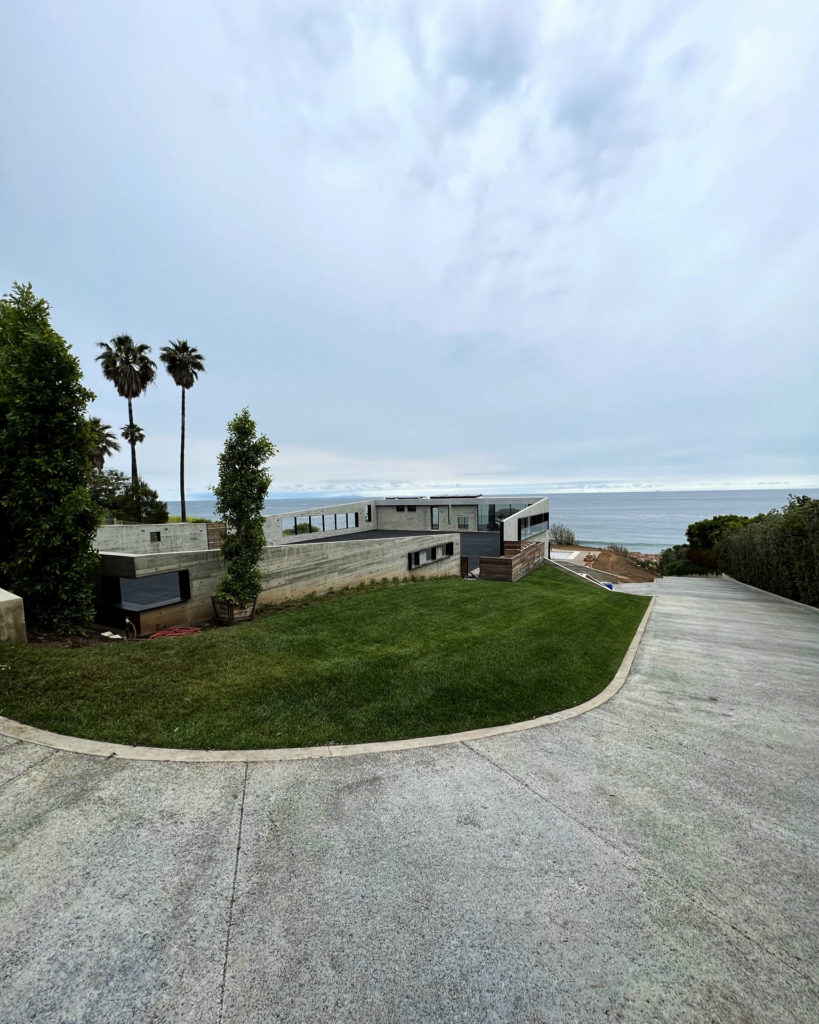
[165, 574]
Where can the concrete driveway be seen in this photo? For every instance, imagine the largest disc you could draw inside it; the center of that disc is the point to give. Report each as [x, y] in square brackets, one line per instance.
[652, 860]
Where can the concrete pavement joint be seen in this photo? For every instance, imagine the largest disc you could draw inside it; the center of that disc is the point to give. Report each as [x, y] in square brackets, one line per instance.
[634, 860]
[233, 895]
[25, 771]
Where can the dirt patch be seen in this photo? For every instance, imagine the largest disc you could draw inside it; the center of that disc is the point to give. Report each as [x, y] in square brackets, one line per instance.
[626, 571]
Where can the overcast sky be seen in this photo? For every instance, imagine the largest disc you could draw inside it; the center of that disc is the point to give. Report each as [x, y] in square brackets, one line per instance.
[433, 244]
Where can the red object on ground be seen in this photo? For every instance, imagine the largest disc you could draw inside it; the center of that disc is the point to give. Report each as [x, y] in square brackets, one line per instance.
[175, 631]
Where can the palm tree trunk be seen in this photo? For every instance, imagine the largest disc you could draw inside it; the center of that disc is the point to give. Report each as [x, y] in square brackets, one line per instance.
[134, 474]
[183, 517]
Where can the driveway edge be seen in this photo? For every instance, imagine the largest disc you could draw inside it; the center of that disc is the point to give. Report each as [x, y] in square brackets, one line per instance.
[98, 748]
[770, 593]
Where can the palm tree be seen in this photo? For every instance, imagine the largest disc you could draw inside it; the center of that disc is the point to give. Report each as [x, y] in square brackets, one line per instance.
[104, 442]
[184, 363]
[130, 369]
[133, 434]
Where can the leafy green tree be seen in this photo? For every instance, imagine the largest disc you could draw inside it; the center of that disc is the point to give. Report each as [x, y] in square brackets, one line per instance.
[46, 447]
[114, 497]
[705, 533]
[240, 494]
[130, 369]
[184, 363]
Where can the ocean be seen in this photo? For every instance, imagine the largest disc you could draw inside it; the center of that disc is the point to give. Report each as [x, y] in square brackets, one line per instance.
[646, 521]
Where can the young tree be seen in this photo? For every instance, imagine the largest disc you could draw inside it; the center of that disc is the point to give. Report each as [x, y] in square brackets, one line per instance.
[130, 369]
[46, 448]
[240, 494]
[184, 363]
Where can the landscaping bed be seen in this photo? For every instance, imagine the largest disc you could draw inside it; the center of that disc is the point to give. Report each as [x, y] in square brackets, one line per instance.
[374, 663]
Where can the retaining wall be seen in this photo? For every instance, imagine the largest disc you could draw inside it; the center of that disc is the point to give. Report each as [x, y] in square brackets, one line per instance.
[12, 618]
[288, 570]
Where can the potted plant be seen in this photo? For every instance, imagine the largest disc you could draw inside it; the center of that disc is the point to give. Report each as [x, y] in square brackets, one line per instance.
[240, 495]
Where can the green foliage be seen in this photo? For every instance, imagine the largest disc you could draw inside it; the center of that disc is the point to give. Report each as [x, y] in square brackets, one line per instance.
[46, 447]
[778, 551]
[705, 533]
[378, 663]
[301, 528]
[676, 561]
[115, 498]
[104, 442]
[561, 534]
[240, 496]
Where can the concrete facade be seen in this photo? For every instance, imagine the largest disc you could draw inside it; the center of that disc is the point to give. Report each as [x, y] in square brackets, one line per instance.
[288, 570]
[274, 526]
[152, 538]
[137, 551]
[417, 515]
[12, 618]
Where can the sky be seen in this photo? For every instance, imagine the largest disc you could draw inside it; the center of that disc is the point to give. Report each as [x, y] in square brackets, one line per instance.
[551, 245]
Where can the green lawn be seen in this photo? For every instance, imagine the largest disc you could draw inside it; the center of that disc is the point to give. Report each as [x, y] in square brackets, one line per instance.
[374, 664]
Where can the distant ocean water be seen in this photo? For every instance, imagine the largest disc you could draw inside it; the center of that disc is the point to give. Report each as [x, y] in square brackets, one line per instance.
[641, 520]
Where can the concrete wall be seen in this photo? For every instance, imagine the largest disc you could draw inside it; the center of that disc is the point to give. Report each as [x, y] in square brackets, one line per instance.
[510, 524]
[136, 537]
[421, 519]
[274, 525]
[12, 618]
[288, 570]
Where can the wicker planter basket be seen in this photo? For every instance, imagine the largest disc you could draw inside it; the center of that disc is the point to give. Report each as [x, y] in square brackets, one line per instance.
[228, 613]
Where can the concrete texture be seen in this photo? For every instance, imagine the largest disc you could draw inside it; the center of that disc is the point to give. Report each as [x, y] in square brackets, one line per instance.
[651, 860]
[12, 618]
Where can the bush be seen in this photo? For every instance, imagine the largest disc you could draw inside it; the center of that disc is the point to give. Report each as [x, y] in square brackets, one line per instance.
[240, 496]
[301, 528]
[561, 534]
[48, 519]
[778, 551]
[675, 561]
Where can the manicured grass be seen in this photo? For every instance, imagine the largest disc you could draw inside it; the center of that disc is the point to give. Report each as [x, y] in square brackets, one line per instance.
[374, 664]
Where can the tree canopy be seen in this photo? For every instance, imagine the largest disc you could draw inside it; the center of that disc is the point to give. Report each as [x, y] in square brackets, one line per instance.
[46, 447]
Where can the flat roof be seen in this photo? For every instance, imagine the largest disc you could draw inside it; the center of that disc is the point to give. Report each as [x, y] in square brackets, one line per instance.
[462, 499]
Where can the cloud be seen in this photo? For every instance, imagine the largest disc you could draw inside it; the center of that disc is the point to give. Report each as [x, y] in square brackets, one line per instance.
[508, 242]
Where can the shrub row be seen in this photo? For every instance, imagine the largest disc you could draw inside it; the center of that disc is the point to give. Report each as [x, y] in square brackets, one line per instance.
[777, 551]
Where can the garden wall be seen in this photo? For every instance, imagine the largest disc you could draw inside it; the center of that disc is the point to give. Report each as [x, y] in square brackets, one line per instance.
[288, 570]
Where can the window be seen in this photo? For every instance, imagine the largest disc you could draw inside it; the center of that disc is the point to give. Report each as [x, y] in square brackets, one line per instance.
[369, 516]
[400, 508]
[156, 536]
[433, 512]
[145, 592]
[463, 522]
[410, 508]
[430, 555]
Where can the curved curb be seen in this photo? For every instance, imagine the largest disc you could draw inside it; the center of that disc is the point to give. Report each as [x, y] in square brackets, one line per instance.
[98, 748]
